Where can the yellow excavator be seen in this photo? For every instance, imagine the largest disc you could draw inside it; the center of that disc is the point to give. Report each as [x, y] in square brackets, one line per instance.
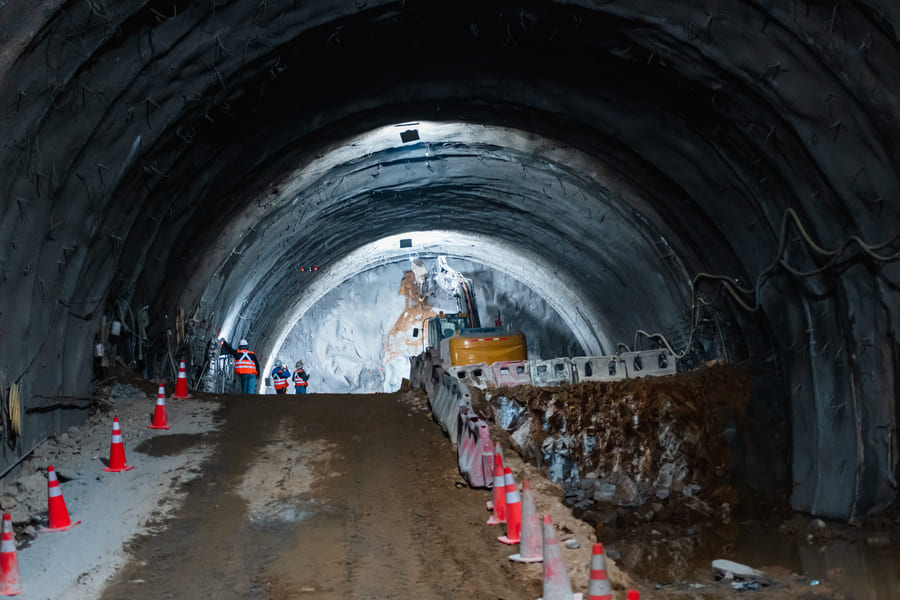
[459, 338]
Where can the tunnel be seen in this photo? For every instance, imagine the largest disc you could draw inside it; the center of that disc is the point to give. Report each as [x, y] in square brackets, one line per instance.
[718, 177]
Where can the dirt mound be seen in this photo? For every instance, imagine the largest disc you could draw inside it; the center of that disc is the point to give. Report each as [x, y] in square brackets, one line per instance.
[658, 440]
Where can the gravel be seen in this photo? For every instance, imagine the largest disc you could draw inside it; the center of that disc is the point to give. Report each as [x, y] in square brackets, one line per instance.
[112, 507]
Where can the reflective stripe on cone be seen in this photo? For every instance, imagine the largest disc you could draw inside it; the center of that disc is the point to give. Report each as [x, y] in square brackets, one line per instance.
[556, 579]
[10, 583]
[531, 544]
[513, 510]
[499, 493]
[117, 451]
[159, 413]
[58, 515]
[599, 587]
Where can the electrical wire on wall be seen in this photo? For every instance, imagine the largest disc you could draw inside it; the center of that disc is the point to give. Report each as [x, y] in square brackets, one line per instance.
[179, 327]
[5, 427]
[15, 410]
[126, 316]
[740, 294]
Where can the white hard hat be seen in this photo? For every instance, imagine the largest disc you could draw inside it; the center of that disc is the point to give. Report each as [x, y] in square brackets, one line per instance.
[243, 342]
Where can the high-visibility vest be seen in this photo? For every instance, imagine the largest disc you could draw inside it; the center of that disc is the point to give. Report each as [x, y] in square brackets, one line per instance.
[244, 364]
[298, 378]
[278, 380]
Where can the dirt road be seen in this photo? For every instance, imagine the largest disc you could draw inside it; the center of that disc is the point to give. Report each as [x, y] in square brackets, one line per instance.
[325, 497]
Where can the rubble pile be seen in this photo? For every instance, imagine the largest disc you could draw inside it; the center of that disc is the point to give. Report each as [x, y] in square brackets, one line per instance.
[655, 445]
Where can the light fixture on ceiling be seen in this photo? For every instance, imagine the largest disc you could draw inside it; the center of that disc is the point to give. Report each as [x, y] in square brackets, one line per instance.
[410, 135]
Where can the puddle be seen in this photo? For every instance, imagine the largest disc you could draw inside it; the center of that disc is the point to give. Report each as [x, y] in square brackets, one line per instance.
[169, 445]
[862, 572]
[285, 511]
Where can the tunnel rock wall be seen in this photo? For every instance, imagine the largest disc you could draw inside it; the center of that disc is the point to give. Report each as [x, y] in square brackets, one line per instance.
[142, 142]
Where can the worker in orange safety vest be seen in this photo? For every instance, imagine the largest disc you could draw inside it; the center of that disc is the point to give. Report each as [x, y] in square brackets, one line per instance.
[245, 364]
[280, 377]
[301, 378]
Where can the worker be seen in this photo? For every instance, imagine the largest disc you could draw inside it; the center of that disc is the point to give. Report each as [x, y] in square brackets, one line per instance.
[245, 364]
[280, 377]
[301, 378]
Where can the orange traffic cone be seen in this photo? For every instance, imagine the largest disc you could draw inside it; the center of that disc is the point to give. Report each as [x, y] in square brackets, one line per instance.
[599, 587]
[58, 513]
[556, 580]
[181, 383]
[159, 415]
[634, 595]
[499, 503]
[530, 549]
[9, 561]
[117, 451]
[513, 510]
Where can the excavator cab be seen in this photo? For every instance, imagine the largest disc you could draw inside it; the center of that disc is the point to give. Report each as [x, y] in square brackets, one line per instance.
[444, 326]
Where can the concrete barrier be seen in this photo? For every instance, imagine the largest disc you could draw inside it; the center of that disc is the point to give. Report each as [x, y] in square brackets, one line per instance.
[478, 375]
[649, 362]
[511, 372]
[445, 406]
[475, 451]
[598, 368]
[555, 371]
[451, 407]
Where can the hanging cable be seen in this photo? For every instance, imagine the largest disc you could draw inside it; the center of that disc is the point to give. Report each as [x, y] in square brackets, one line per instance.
[15, 410]
[738, 292]
[125, 311]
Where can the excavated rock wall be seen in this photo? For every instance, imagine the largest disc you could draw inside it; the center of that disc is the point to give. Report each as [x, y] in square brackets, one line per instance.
[674, 443]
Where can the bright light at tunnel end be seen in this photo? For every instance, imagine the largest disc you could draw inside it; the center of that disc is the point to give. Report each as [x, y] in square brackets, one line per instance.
[517, 262]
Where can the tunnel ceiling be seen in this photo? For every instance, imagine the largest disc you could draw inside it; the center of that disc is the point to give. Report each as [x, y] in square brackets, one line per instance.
[192, 154]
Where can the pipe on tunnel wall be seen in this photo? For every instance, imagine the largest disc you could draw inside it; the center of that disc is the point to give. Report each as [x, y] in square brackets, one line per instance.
[723, 118]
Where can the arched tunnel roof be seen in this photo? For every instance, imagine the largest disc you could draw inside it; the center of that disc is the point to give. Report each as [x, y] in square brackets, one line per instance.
[192, 154]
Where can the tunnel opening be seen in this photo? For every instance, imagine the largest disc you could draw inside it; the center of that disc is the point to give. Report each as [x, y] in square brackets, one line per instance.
[360, 334]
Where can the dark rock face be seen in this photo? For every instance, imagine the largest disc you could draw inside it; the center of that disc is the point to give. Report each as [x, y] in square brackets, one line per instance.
[189, 155]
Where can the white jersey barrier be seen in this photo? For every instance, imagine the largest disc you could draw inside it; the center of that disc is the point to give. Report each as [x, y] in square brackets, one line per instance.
[475, 451]
[551, 372]
[511, 372]
[598, 368]
[445, 405]
[451, 407]
[445, 392]
[648, 362]
[558, 371]
[479, 375]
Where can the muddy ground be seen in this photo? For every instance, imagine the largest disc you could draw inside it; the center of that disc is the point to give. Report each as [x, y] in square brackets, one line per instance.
[320, 497]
